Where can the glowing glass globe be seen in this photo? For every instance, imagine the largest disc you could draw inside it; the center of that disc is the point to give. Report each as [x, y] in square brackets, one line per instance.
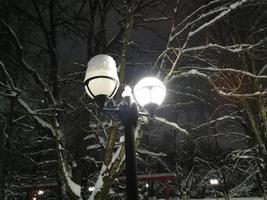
[149, 93]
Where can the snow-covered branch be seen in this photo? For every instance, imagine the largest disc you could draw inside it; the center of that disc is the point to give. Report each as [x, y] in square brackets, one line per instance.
[150, 153]
[224, 12]
[74, 187]
[218, 120]
[233, 48]
[231, 94]
[232, 70]
[171, 124]
[110, 170]
[201, 17]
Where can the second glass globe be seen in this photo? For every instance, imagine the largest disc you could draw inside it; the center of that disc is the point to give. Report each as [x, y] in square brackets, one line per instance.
[150, 93]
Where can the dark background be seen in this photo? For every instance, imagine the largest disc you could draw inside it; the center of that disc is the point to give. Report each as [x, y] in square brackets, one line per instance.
[44, 48]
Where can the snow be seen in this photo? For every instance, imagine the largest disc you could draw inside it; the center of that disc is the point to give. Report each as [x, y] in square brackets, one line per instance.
[40, 121]
[152, 19]
[88, 158]
[127, 91]
[91, 136]
[264, 93]
[234, 48]
[75, 188]
[190, 21]
[122, 139]
[144, 151]
[219, 119]
[215, 19]
[234, 5]
[102, 141]
[94, 146]
[172, 124]
[99, 183]
[93, 125]
[105, 169]
[193, 72]
[116, 155]
[235, 71]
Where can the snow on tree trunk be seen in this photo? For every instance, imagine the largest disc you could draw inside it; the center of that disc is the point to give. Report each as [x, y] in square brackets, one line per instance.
[185, 197]
[111, 167]
[107, 175]
[226, 196]
[68, 186]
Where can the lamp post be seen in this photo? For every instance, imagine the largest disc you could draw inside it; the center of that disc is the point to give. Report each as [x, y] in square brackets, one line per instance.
[101, 82]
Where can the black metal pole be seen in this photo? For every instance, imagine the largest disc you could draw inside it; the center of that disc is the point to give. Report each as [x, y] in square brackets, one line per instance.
[129, 116]
[130, 163]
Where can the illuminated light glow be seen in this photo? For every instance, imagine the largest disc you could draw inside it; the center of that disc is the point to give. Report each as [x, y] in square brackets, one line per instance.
[91, 188]
[34, 198]
[147, 185]
[40, 192]
[127, 91]
[149, 90]
[100, 86]
[214, 181]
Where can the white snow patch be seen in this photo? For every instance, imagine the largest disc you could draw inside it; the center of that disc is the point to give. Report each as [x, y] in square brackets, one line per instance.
[75, 188]
[193, 72]
[94, 146]
[91, 136]
[99, 183]
[172, 124]
[144, 151]
[88, 158]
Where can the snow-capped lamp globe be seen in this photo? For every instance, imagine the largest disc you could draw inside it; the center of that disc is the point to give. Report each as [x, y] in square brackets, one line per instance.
[101, 79]
[149, 93]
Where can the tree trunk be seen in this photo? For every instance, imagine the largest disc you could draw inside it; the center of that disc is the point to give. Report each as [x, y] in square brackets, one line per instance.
[226, 196]
[185, 196]
[108, 170]
[112, 166]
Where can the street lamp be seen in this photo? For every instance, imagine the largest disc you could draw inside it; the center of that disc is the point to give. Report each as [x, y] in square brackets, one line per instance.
[149, 93]
[214, 181]
[101, 79]
[40, 192]
[101, 82]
